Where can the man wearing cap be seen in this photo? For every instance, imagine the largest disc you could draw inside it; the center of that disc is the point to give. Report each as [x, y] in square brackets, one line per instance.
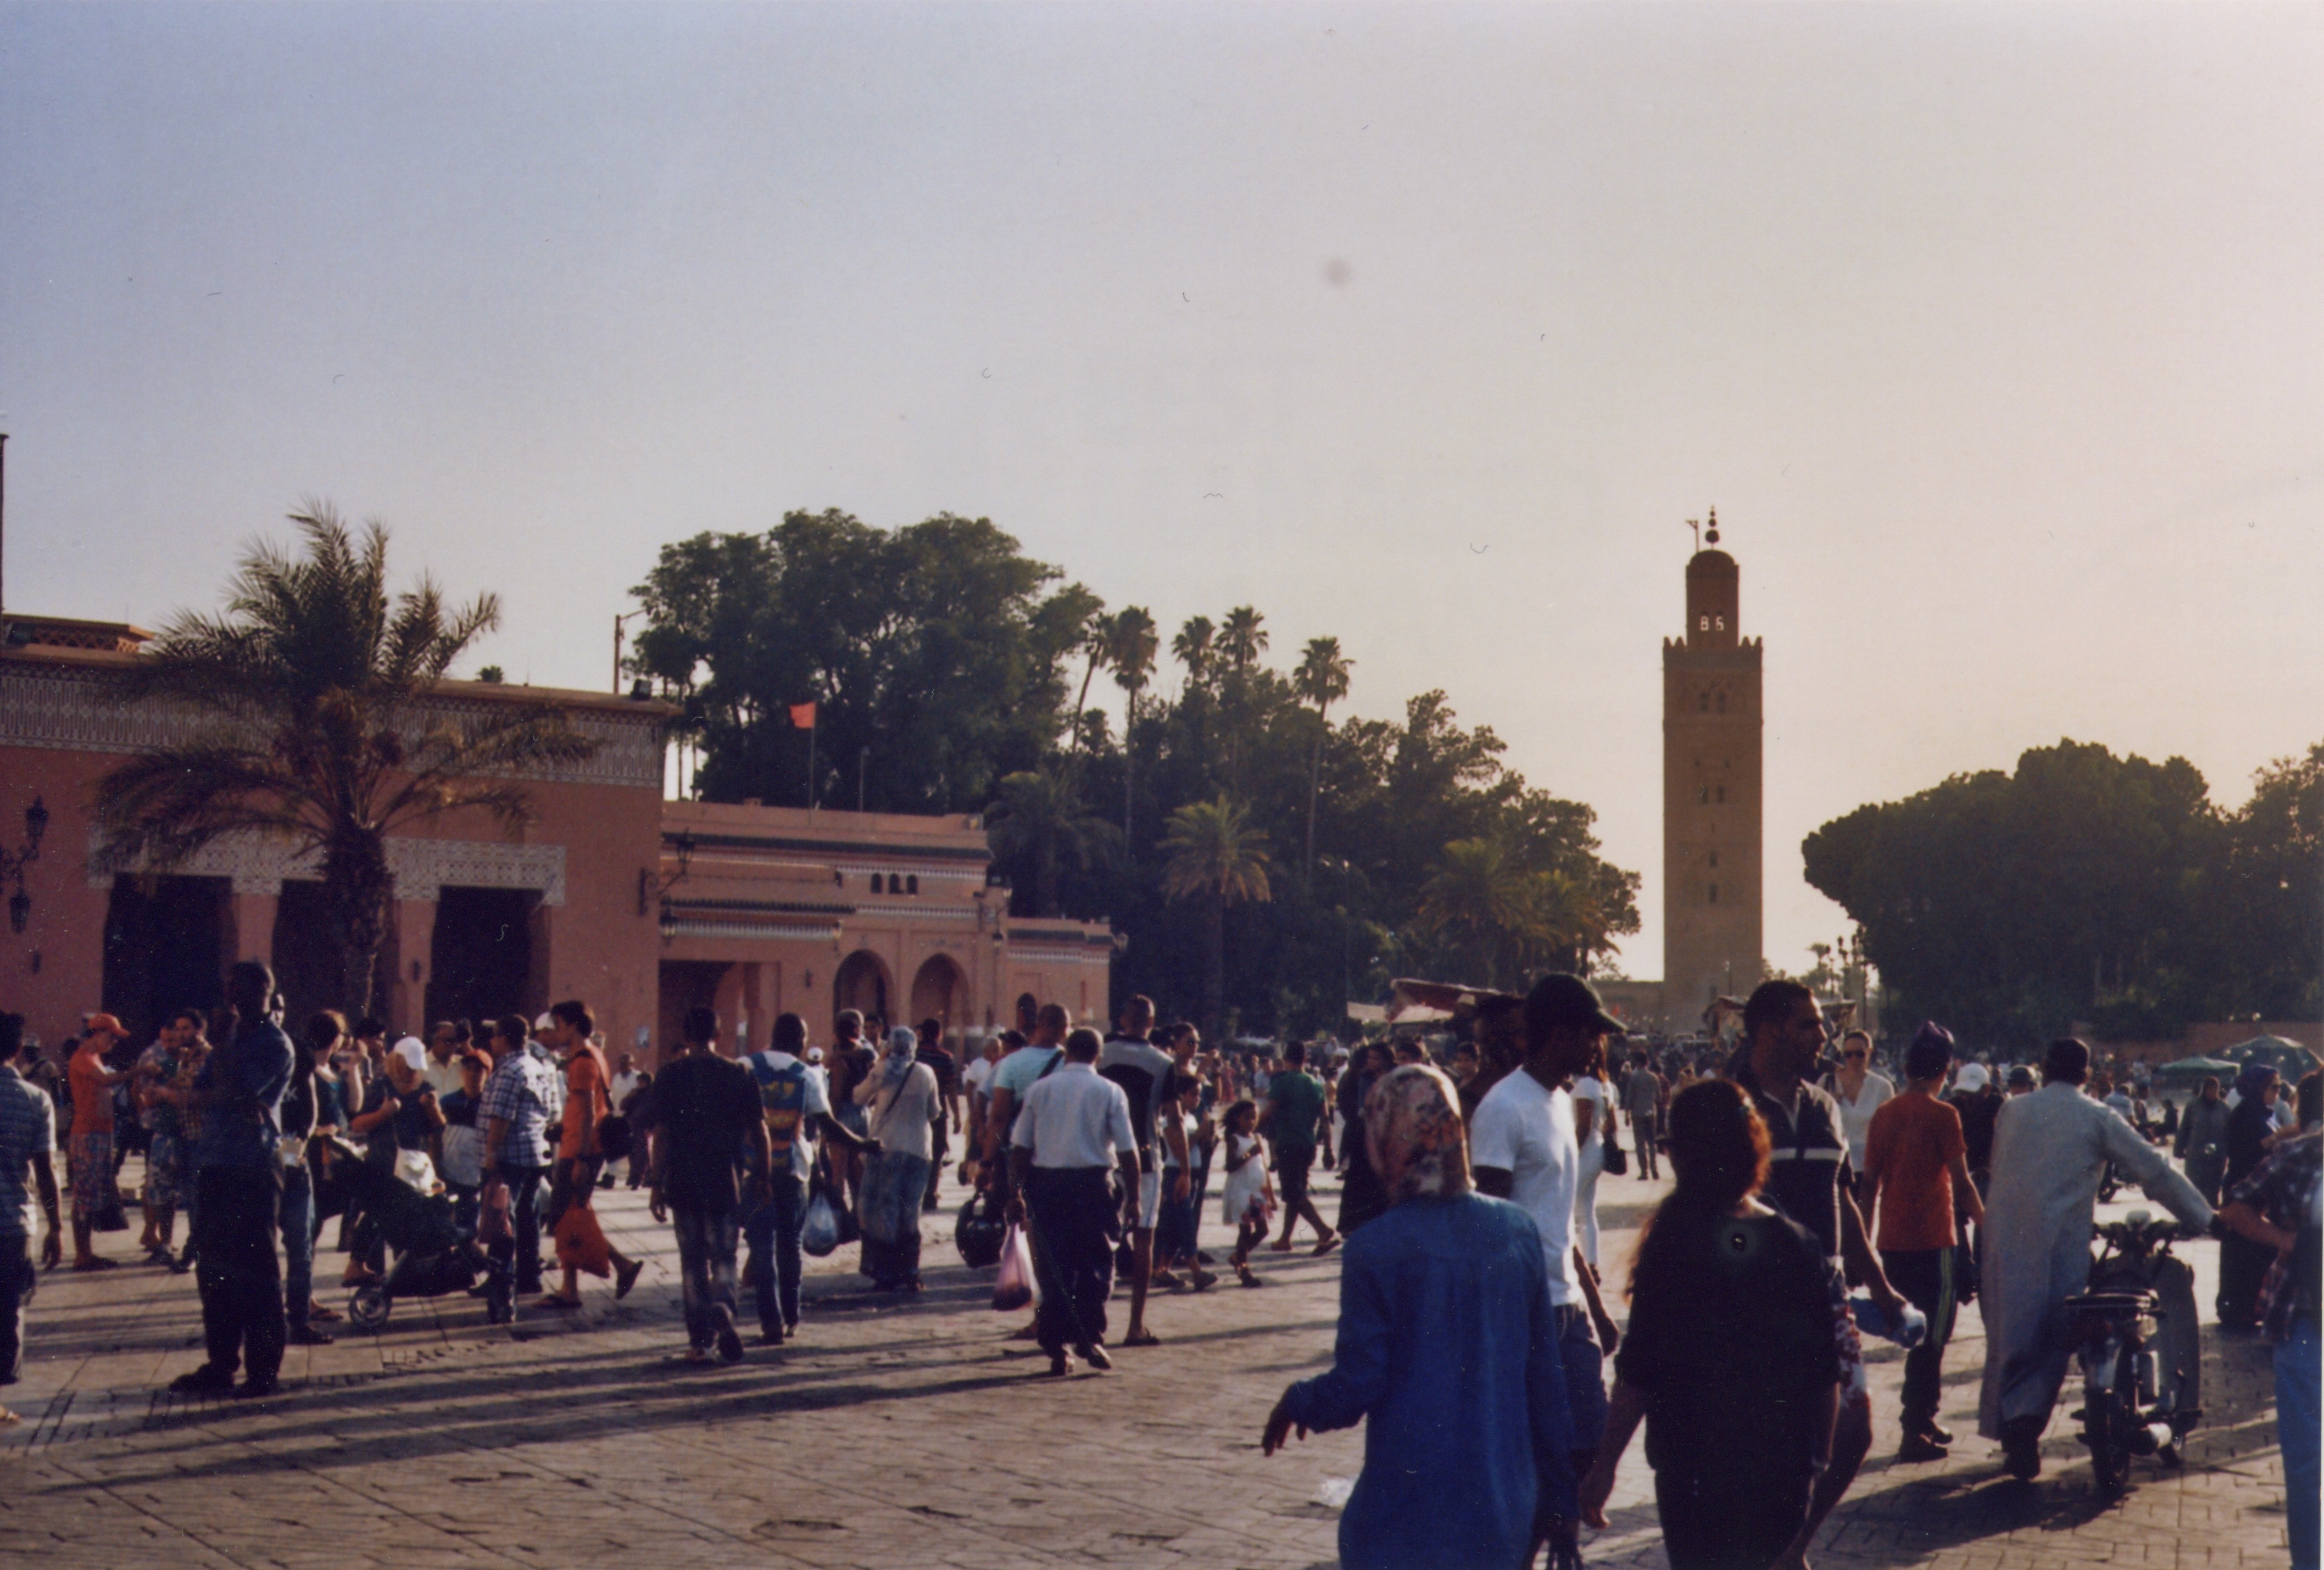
[1524, 1147]
[89, 1146]
[399, 1114]
[1916, 1166]
[2050, 1151]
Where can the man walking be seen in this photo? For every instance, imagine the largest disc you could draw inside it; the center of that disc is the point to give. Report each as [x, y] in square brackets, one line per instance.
[707, 1113]
[1145, 1075]
[1916, 1168]
[240, 1090]
[1290, 1116]
[1643, 1094]
[28, 1140]
[516, 1115]
[1074, 1127]
[572, 1182]
[2050, 1152]
[2202, 1140]
[798, 1110]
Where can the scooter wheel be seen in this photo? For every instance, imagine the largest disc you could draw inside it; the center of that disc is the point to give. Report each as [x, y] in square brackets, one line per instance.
[368, 1306]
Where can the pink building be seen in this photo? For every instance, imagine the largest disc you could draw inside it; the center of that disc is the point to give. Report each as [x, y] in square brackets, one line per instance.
[639, 906]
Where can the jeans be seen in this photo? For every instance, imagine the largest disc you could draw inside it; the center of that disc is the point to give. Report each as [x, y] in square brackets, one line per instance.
[18, 1279]
[524, 1252]
[2297, 1373]
[297, 1212]
[1925, 1277]
[240, 1282]
[772, 1232]
[705, 1267]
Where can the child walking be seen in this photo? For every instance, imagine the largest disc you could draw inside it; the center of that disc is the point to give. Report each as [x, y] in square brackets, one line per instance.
[1248, 1204]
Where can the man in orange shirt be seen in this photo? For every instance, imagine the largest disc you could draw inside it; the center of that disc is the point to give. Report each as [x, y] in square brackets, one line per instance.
[1915, 1160]
[579, 1153]
[89, 1147]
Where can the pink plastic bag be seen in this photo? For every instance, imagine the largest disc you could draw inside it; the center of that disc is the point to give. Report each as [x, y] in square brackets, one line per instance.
[492, 1223]
[1014, 1290]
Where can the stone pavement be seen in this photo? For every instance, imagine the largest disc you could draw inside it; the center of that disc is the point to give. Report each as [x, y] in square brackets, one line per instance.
[904, 1434]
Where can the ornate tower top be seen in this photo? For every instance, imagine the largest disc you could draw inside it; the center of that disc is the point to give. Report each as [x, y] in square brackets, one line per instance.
[1713, 594]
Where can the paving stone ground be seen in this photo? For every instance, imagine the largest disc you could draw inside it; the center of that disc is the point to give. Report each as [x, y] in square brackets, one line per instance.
[908, 1434]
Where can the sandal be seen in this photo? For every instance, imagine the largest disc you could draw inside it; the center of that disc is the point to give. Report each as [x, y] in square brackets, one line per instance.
[1327, 1246]
[1142, 1336]
[1248, 1278]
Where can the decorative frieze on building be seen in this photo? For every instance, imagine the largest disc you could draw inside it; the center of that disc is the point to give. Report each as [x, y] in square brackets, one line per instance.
[70, 709]
[423, 869]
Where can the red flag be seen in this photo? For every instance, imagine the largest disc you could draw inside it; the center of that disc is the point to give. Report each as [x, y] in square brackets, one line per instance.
[802, 716]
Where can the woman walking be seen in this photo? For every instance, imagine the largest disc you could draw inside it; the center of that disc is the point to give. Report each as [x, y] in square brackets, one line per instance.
[1447, 1351]
[902, 1099]
[2243, 1263]
[2201, 1142]
[1731, 1356]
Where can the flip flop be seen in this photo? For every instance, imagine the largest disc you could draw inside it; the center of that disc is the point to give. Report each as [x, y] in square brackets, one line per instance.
[1327, 1246]
[1141, 1338]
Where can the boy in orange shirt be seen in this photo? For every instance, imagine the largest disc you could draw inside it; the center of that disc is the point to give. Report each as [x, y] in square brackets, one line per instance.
[1916, 1159]
[89, 1146]
[580, 1155]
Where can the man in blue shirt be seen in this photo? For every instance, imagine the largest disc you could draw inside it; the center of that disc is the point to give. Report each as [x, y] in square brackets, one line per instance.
[236, 1162]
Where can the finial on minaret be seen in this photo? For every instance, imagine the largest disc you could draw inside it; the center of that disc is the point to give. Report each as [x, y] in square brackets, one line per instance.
[1712, 537]
[1696, 524]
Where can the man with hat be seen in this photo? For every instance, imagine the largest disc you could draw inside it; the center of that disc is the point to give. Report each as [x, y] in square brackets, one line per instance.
[88, 1147]
[1524, 1146]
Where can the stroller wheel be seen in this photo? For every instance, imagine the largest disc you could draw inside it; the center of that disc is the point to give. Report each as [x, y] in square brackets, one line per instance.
[367, 1307]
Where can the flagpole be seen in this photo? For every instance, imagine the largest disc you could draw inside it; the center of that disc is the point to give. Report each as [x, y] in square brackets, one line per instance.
[810, 761]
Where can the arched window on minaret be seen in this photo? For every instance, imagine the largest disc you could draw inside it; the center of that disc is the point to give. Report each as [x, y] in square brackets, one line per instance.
[1714, 893]
[1722, 795]
[1723, 702]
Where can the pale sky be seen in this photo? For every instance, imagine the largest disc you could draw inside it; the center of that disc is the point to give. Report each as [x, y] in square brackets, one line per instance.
[1993, 333]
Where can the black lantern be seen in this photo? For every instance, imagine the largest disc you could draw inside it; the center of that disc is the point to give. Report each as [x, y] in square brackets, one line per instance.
[20, 909]
[668, 922]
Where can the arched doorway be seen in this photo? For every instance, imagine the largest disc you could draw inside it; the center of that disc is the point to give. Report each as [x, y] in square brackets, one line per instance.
[861, 985]
[940, 992]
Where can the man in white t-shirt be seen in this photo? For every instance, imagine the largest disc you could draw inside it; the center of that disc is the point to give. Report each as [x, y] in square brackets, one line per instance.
[975, 1080]
[1522, 1146]
[797, 1099]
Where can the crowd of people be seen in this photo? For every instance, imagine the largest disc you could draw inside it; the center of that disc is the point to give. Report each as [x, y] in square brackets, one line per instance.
[1478, 1322]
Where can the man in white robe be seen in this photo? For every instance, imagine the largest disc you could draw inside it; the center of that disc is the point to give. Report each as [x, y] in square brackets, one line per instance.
[2050, 1150]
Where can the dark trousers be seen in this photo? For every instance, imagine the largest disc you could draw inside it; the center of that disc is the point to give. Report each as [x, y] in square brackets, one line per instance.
[297, 1211]
[18, 1279]
[241, 1283]
[773, 1266]
[1070, 1208]
[706, 1268]
[1736, 1518]
[521, 1254]
[1925, 1277]
[2243, 1267]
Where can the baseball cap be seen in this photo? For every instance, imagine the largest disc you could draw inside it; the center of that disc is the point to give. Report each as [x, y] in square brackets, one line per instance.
[1972, 1076]
[414, 1054]
[2021, 1074]
[544, 1025]
[103, 1022]
[1559, 998]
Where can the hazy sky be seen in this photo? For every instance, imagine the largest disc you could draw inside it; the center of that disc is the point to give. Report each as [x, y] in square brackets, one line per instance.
[1994, 333]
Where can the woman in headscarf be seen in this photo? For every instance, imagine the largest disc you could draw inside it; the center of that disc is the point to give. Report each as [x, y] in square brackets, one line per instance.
[901, 1093]
[1729, 1357]
[1448, 1346]
[2243, 1263]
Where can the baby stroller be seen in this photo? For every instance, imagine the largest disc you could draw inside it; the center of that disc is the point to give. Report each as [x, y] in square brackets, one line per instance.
[433, 1256]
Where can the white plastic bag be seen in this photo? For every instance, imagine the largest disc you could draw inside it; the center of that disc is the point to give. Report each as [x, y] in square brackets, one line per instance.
[819, 1235]
[1014, 1290]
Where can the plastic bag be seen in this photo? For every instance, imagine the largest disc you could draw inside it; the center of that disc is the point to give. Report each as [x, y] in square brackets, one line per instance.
[820, 1233]
[581, 1242]
[492, 1223]
[1014, 1290]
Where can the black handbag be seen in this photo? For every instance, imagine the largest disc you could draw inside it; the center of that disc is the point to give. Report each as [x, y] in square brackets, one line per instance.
[1617, 1161]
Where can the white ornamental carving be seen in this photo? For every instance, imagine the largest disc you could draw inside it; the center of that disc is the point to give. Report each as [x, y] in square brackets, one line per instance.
[423, 869]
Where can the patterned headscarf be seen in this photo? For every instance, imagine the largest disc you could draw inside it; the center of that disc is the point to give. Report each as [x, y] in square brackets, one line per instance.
[896, 1062]
[2253, 1082]
[1412, 1121]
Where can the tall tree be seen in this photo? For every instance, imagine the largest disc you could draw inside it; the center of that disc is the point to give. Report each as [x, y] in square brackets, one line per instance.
[1039, 817]
[1242, 637]
[1218, 858]
[323, 727]
[1321, 679]
[1195, 648]
[1131, 645]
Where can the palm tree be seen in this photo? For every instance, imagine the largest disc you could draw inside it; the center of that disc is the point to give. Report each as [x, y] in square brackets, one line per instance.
[1131, 648]
[1321, 679]
[1243, 638]
[1482, 903]
[1218, 857]
[1096, 634]
[1194, 648]
[1039, 813]
[321, 728]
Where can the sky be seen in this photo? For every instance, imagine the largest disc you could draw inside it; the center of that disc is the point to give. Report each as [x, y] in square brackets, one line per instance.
[1994, 333]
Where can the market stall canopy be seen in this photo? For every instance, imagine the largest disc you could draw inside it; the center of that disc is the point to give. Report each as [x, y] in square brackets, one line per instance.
[2197, 1068]
[1415, 1002]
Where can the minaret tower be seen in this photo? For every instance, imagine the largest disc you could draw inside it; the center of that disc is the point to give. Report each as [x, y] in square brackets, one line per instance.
[1712, 939]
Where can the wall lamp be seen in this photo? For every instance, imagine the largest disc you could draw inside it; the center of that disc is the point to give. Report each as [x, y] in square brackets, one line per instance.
[12, 864]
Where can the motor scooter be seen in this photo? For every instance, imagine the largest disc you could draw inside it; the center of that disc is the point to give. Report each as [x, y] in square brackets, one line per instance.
[2134, 1334]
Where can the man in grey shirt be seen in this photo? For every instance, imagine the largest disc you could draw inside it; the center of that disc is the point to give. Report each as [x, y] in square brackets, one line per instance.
[1642, 1098]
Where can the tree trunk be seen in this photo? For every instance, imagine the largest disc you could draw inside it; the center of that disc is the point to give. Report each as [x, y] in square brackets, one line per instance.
[1214, 970]
[1128, 777]
[1044, 879]
[1314, 786]
[356, 885]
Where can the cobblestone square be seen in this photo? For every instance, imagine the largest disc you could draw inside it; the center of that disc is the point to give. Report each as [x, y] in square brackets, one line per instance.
[908, 1434]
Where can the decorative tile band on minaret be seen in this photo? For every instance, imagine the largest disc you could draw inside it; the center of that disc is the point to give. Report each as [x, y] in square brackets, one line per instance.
[1712, 937]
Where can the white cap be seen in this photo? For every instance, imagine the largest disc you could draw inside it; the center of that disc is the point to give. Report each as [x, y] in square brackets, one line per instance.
[413, 1052]
[814, 1055]
[1972, 1076]
[544, 1025]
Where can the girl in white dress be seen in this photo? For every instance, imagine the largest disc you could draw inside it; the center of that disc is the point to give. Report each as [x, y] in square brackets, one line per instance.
[1249, 1203]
